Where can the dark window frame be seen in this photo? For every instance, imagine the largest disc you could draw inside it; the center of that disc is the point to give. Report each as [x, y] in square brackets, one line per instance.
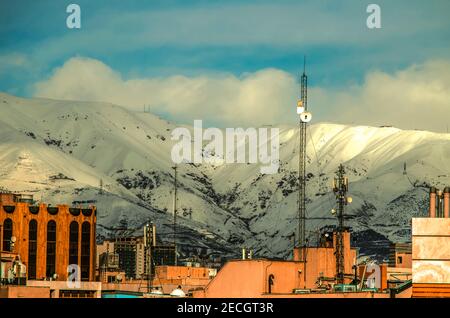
[32, 248]
[8, 227]
[51, 249]
[74, 232]
[85, 250]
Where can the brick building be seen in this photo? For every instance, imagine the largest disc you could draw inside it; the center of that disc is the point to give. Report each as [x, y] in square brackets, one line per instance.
[46, 239]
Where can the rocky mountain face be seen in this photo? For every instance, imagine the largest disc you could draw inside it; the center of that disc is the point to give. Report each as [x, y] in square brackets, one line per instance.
[65, 151]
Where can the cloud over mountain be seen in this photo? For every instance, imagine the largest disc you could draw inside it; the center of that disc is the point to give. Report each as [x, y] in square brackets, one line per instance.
[417, 97]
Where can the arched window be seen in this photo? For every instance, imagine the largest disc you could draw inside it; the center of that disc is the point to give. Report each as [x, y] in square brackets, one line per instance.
[85, 250]
[7, 233]
[73, 243]
[32, 249]
[51, 249]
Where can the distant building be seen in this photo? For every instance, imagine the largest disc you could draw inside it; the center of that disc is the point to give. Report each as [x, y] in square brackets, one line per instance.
[163, 255]
[126, 248]
[106, 246]
[400, 255]
[46, 239]
[133, 255]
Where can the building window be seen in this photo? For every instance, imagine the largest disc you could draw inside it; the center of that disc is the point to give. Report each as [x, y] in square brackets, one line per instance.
[77, 293]
[32, 249]
[51, 249]
[85, 250]
[7, 234]
[399, 259]
[73, 243]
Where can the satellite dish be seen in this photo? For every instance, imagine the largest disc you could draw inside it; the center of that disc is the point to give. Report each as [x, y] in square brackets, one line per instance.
[156, 292]
[305, 117]
[300, 108]
[349, 199]
[177, 292]
[333, 211]
[13, 239]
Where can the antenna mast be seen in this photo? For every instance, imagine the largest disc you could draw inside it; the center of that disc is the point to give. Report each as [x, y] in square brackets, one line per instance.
[302, 109]
[149, 242]
[305, 117]
[175, 214]
[340, 188]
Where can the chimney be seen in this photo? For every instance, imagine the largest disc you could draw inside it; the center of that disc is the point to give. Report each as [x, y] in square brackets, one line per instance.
[447, 202]
[440, 204]
[432, 211]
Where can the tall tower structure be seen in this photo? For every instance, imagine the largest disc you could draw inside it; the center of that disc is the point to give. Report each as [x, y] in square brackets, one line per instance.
[305, 117]
[175, 214]
[340, 188]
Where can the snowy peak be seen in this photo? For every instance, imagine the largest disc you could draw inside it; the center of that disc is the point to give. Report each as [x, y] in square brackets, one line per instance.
[67, 150]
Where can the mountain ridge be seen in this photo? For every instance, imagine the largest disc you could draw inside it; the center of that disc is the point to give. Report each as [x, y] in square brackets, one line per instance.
[221, 208]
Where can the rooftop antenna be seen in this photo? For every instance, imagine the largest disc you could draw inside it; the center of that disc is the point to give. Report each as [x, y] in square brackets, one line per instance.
[149, 242]
[175, 214]
[340, 188]
[305, 117]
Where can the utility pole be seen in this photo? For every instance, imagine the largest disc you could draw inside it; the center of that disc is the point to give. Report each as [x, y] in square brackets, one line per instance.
[148, 244]
[340, 188]
[175, 214]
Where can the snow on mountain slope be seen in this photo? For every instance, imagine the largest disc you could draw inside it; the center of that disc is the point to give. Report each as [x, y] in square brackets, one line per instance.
[60, 150]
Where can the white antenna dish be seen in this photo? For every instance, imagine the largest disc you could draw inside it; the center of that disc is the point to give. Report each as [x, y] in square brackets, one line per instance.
[177, 292]
[300, 108]
[156, 291]
[305, 117]
[13, 239]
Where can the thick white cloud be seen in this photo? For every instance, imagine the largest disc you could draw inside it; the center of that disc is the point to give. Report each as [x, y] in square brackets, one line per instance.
[253, 99]
[417, 97]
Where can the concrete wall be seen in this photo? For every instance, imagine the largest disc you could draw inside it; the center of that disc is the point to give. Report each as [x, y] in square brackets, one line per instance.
[431, 250]
[174, 272]
[24, 292]
[250, 279]
[56, 286]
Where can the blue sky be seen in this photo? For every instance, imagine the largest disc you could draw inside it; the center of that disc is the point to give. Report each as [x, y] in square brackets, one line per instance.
[158, 39]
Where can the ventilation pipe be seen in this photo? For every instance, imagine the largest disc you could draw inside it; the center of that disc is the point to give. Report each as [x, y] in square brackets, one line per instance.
[432, 211]
[447, 202]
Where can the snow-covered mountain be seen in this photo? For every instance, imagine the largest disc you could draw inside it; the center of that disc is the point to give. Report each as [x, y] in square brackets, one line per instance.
[62, 151]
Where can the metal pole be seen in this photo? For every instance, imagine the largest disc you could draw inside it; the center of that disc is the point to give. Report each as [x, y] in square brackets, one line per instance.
[341, 198]
[302, 174]
[175, 214]
[150, 253]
